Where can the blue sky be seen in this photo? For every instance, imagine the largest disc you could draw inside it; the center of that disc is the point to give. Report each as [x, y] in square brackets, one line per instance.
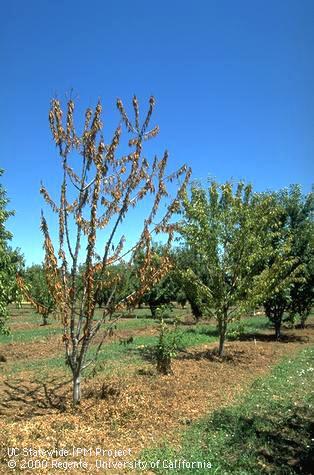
[233, 82]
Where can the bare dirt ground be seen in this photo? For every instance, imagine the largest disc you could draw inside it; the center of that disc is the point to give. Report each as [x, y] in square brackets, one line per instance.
[140, 409]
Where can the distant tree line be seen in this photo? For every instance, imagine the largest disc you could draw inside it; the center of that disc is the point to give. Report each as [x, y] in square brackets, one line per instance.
[239, 250]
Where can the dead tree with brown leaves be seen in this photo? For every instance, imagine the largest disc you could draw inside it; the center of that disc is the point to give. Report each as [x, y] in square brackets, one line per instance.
[106, 188]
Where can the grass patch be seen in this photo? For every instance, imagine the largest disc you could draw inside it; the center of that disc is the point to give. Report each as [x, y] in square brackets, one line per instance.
[255, 323]
[42, 366]
[135, 323]
[270, 431]
[30, 334]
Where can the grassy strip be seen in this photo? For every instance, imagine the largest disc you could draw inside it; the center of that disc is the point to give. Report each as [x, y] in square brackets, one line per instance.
[36, 332]
[270, 431]
[29, 335]
[114, 352]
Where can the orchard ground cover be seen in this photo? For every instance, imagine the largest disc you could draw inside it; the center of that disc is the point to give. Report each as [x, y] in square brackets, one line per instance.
[126, 404]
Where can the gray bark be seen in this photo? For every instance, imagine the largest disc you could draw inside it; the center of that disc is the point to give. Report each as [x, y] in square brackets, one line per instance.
[76, 389]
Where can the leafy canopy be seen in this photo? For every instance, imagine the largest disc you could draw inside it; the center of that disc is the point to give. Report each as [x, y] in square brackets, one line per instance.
[10, 262]
[229, 229]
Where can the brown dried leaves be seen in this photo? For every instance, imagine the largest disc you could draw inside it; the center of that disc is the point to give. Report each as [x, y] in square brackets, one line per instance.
[115, 184]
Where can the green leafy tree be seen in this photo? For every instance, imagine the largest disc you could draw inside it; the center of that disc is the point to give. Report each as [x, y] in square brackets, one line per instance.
[300, 210]
[188, 290]
[38, 291]
[293, 290]
[302, 295]
[169, 342]
[181, 298]
[121, 281]
[228, 229]
[163, 292]
[11, 261]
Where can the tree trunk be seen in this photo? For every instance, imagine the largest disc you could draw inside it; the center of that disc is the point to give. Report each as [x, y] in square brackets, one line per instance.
[222, 328]
[222, 338]
[302, 321]
[45, 319]
[197, 313]
[76, 389]
[153, 309]
[164, 365]
[277, 329]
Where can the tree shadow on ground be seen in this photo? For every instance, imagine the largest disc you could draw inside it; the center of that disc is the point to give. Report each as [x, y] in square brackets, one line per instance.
[280, 442]
[23, 399]
[307, 326]
[232, 356]
[270, 337]
[188, 322]
[146, 353]
[210, 331]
